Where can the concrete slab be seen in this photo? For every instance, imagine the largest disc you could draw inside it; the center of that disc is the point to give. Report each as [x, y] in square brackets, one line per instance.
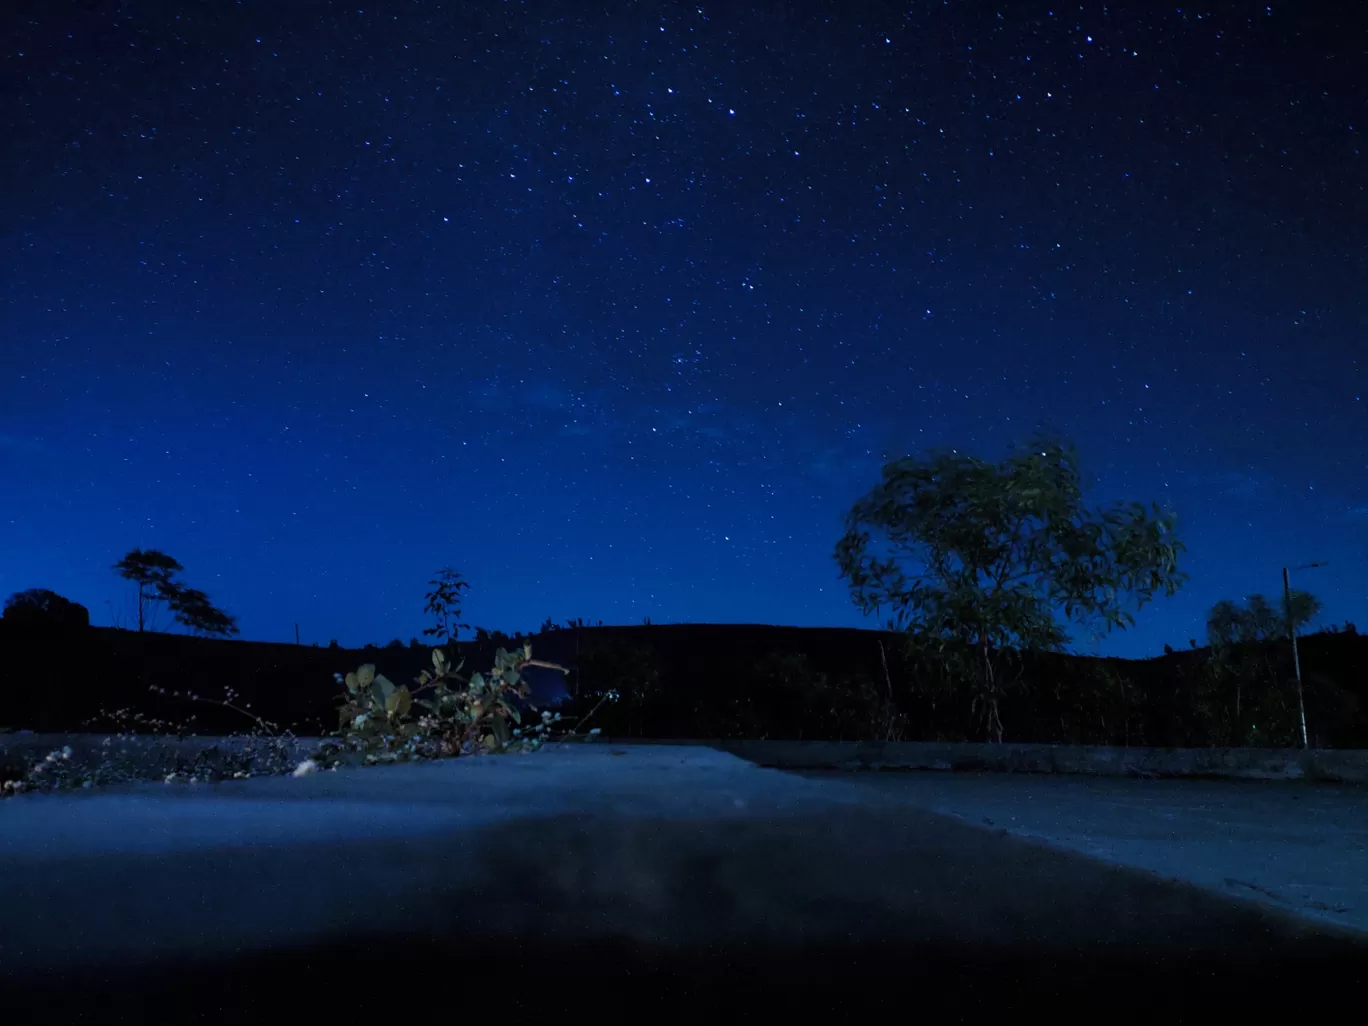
[1298, 847]
[157, 755]
[630, 869]
[1341, 766]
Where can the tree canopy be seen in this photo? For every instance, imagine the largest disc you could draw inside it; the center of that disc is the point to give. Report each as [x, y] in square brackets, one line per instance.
[1257, 619]
[154, 572]
[978, 559]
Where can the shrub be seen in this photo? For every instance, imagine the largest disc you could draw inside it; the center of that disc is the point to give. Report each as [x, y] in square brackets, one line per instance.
[481, 715]
[42, 608]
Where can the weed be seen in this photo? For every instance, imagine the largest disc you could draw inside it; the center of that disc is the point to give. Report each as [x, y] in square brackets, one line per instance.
[474, 716]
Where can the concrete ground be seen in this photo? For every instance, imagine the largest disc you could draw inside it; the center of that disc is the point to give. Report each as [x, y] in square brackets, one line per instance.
[679, 883]
[1297, 847]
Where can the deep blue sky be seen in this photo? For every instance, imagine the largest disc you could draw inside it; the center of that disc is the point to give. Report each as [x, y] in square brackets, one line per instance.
[618, 313]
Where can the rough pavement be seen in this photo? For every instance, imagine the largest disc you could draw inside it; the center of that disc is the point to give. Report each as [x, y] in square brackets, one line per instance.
[615, 881]
[1297, 847]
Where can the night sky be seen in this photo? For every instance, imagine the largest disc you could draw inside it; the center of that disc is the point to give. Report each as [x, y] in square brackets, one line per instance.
[617, 308]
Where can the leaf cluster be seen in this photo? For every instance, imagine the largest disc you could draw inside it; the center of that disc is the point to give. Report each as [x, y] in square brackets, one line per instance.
[462, 715]
[995, 551]
[1257, 619]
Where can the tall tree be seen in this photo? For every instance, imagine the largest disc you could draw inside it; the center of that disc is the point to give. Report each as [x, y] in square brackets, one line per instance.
[444, 602]
[154, 573]
[980, 560]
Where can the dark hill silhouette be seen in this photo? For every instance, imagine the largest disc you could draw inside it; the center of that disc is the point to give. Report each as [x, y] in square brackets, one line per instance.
[674, 680]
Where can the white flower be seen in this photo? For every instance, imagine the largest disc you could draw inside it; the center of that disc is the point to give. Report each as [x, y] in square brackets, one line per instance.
[304, 768]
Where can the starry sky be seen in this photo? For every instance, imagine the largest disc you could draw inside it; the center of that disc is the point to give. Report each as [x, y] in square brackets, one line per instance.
[617, 308]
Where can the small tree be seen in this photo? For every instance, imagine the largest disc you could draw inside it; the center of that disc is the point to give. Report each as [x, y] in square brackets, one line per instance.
[155, 573]
[999, 553]
[444, 602]
[1246, 652]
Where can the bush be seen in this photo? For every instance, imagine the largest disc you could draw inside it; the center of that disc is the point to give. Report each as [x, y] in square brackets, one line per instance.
[43, 609]
[479, 715]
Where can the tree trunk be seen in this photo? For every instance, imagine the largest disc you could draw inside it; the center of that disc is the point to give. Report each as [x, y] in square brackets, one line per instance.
[994, 722]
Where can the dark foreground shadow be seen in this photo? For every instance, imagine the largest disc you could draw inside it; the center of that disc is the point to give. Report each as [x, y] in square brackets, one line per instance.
[413, 979]
[855, 913]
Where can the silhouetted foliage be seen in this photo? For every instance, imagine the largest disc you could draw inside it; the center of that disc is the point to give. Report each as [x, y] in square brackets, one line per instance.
[444, 602]
[154, 573]
[1229, 623]
[43, 608]
[193, 611]
[1247, 694]
[699, 681]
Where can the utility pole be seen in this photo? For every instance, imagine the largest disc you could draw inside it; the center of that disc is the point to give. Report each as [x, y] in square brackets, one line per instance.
[1292, 633]
[296, 634]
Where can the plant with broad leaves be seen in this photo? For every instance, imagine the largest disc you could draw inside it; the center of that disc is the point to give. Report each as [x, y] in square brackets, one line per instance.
[463, 716]
[475, 716]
